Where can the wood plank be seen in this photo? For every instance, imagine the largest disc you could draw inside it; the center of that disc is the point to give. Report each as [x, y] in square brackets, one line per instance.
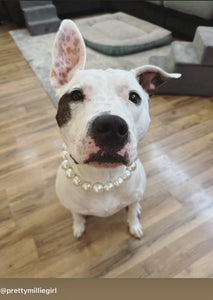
[16, 256]
[200, 268]
[169, 260]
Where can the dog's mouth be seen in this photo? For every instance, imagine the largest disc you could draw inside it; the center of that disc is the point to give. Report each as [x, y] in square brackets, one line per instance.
[75, 161]
[103, 159]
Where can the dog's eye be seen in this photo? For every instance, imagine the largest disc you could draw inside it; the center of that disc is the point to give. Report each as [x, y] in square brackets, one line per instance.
[77, 95]
[134, 97]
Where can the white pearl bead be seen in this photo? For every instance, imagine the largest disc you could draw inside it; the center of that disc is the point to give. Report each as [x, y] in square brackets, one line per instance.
[118, 182]
[98, 187]
[76, 180]
[64, 154]
[70, 173]
[64, 147]
[127, 175]
[65, 164]
[86, 186]
[108, 186]
[133, 166]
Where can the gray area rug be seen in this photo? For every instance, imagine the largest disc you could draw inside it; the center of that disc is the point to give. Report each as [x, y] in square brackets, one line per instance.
[37, 51]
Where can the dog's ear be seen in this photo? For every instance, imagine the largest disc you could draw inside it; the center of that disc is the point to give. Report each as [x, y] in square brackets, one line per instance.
[68, 54]
[150, 77]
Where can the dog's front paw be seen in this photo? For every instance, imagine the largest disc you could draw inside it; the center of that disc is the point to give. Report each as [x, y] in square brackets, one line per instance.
[78, 224]
[136, 229]
[78, 230]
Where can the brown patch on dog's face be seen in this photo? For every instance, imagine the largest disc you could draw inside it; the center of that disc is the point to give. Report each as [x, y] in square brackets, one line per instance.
[64, 112]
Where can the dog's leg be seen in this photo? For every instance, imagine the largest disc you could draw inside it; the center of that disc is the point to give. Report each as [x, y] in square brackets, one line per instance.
[139, 208]
[78, 224]
[135, 227]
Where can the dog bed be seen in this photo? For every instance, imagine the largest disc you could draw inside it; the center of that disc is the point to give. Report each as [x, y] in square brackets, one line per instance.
[120, 34]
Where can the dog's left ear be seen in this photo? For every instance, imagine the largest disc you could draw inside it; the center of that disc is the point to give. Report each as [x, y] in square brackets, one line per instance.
[68, 54]
[150, 77]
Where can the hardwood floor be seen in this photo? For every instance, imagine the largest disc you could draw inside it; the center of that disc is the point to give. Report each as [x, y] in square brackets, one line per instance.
[36, 230]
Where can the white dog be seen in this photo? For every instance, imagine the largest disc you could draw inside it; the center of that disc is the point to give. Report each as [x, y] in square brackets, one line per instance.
[102, 116]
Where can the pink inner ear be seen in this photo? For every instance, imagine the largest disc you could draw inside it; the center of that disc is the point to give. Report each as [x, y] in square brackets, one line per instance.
[68, 53]
[146, 79]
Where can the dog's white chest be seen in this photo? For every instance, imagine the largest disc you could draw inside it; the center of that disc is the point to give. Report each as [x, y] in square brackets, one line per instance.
[101, 204]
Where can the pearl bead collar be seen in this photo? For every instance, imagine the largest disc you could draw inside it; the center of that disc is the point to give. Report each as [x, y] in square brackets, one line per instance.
[96, 187]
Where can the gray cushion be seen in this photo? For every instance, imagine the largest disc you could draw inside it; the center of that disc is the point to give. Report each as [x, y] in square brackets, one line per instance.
[120, 34]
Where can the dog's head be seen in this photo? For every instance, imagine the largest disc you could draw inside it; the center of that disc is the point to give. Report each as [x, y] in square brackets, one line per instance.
[102, 115]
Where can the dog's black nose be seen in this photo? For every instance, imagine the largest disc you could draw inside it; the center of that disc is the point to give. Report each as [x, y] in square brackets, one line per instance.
[110, 131]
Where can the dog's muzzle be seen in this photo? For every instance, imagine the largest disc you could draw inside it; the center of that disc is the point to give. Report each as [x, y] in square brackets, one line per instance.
[110, 133]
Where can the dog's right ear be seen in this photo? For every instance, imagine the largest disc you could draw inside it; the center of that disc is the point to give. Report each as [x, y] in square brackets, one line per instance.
[68, 54]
